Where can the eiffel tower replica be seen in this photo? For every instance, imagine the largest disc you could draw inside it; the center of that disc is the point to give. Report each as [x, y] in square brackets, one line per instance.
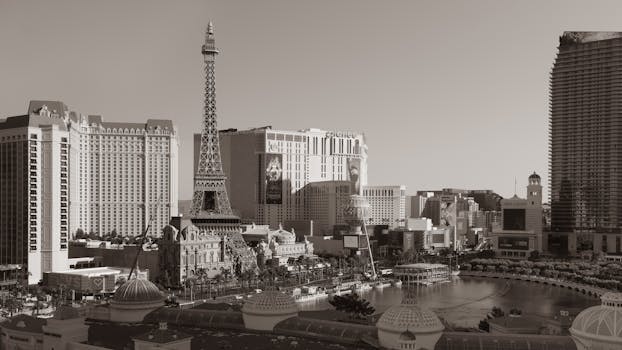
[211, 210]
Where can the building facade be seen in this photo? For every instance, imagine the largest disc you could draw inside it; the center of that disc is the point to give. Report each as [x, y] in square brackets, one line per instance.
[275, 166]
[186, 251]
[387, 205]
[585, 129]
[123, 174]
[520, 231]
[61, 171]
[34, 190]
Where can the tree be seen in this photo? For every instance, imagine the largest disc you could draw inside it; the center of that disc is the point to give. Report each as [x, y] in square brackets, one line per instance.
[79, 234]
[353, 305]
[486, 254]
[534, 255]
[484, 325]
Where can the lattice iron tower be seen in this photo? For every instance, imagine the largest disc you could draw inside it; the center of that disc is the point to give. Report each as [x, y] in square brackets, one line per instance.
[210, 194]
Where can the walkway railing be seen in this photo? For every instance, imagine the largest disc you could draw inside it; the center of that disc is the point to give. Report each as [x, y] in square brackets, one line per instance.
[579, 287]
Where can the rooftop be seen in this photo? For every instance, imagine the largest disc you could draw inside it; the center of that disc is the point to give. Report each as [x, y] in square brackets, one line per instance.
[482, 341]
[573, 37]
[92, 271]
[25, 323]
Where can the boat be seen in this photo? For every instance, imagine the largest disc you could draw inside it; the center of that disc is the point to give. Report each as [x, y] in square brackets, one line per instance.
[308, 297]
[381, 285]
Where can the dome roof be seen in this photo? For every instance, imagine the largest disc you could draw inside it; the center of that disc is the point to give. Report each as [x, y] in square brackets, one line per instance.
[137, 290]
[408, 316]
[270, 302]
[65, 312]
[600, 321]
[534, 176]
[282, 236]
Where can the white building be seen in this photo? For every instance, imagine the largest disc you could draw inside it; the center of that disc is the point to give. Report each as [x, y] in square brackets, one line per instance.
[598, 327]
[520, 230]
[34, 190]
[387, 205]
[61, 171]
[268, 168]
[123, 173]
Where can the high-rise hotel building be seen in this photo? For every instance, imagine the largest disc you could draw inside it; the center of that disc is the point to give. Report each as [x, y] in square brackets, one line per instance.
[61, 171]
[586, 142]
[267, 169]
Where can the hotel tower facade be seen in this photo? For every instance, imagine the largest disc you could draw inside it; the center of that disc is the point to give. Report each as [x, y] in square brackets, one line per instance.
[586, 143]
[61, 171]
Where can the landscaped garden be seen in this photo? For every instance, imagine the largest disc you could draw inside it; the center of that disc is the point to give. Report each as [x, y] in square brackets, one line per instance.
[606, 275]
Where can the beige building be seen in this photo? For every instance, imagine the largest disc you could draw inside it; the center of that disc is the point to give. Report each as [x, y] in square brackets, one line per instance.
[123, 174]
[387, 205]
[185, 250]
[275, 245]
[34, 190]
[520, 230]
[62, 171]
[268, 169]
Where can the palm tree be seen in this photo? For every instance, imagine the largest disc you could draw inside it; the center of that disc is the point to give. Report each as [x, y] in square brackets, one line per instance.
[201, 278]
[190, 282]
[218, 278]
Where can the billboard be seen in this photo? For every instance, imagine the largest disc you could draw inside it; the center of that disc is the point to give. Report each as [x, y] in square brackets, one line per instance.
[351, 241]
[447, 210]
[274, 179]
[354, 175]
[515, 243]
[514, 219]
[438, 238]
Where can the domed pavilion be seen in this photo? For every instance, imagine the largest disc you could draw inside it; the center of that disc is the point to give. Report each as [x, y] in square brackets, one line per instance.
[264, 310]
[409, 326]
[599, 327]
[134, 299]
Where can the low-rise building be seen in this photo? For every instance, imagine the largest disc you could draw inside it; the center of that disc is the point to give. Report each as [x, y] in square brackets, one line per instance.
[185, 250]
[277, 246]
[95, 280]
[520, 230]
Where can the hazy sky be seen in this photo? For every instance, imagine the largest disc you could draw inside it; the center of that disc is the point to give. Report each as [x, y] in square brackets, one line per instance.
[449, 93]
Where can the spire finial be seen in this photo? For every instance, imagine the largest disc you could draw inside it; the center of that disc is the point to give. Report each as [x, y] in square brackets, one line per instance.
[210, 28]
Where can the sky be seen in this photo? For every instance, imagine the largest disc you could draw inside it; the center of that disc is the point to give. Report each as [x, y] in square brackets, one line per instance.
[448, 93]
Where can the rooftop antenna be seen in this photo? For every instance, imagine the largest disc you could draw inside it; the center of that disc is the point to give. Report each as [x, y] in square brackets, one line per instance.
[515, 185]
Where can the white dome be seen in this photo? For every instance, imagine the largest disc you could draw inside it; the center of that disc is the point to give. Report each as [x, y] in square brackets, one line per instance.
[270, 302]
[409, 323]
[409, 317]
[600, 323]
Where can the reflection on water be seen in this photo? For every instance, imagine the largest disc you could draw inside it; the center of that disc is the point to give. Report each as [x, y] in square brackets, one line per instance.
[467, 300]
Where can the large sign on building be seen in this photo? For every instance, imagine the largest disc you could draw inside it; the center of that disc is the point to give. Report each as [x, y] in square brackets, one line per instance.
[355, 241]
[354, 175]
[448, 210]
[274, 179]
[514, 243]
